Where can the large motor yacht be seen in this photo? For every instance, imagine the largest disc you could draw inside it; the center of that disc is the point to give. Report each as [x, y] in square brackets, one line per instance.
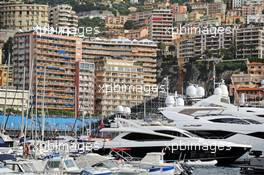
[136, 141]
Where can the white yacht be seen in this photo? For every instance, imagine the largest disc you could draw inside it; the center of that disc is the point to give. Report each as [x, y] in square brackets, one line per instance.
[136, 141]
[215, 118]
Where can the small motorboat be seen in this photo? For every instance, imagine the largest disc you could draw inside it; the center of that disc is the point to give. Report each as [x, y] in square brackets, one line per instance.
[64, 165]
[95, 163]
[154, 164]
[200, 163]
[96, 171]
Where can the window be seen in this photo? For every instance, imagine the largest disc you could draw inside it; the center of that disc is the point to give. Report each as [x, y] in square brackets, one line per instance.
[253, 121]
[173, 133]
[145, 137]
[230, 121]
[212, 134]
[257, 134]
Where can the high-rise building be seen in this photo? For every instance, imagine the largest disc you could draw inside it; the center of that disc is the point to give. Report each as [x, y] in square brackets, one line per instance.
[19, 16]
[250, 42]
[212, 43]
[186, 50]
[63, 16]
[143, 52]
[52, 66]
[86, 87]
[118, 82]
[161, 25]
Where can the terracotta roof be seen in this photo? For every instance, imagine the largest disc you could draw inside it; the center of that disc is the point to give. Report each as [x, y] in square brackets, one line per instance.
[250, 89]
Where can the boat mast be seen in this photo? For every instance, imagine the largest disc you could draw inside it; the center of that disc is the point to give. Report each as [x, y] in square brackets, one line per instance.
[7, 80]
[36, 107]
[23, 96]
[43, 104]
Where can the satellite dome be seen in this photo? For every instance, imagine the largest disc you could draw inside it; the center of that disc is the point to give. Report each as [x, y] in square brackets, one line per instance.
[262, 83]
[191, 91]
[224, 90]
[180, 102]
[218, 91]
[262, 103]
[169, 101]
[127, 110]
[200, 91]
[119, 109]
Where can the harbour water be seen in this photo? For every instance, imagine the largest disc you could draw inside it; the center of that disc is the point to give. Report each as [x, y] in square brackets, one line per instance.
[214, 170]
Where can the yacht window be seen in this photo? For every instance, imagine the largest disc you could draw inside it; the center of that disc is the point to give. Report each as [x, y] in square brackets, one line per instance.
[260, 115]
[253, 121]
[212, 134]
[69, 163]
[257, 134]
[53, 164]
[173, 133]
[27, 168]
[230, 120]
[145, 137]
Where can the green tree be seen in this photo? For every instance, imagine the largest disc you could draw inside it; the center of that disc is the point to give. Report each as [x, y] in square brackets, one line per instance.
[92, 23]
[7, 49]
[129, 25]
[172, 48]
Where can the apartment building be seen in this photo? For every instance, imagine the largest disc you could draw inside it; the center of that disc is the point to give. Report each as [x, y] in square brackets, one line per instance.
[141, 18]
[160, 25]
[63, 16]
[216, 8]
[86, 87]
[137, 34]
[186, 49]
[118, 82]
[16, 99]
[116, 22]
[20, 16]
[249, 42]
[6, 79]
[255, 19]
[143, 52]
[212, 42]
[251, 9]
[51, 63]
[249, 83]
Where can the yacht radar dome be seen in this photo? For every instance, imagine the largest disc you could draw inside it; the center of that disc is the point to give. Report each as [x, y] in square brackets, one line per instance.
[224, 90]
[200, 91]
[262, 83]
[169, 101]
[119, 109]
[218, 91]
[127, 110]
[180, 101]
[191, 91]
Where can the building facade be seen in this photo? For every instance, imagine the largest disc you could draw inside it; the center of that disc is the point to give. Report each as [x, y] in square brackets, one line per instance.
[51, 66]
[15, 100]
[19, 16]
[6, 79]
[212, 43]
[249, 42]
[63, 16]
[86, 87]
[161, 25]
[143, 52]
[249, 83]
[116, 22]
[118, 82]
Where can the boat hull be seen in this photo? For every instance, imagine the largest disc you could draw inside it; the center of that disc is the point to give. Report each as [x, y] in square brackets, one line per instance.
[223, 157]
